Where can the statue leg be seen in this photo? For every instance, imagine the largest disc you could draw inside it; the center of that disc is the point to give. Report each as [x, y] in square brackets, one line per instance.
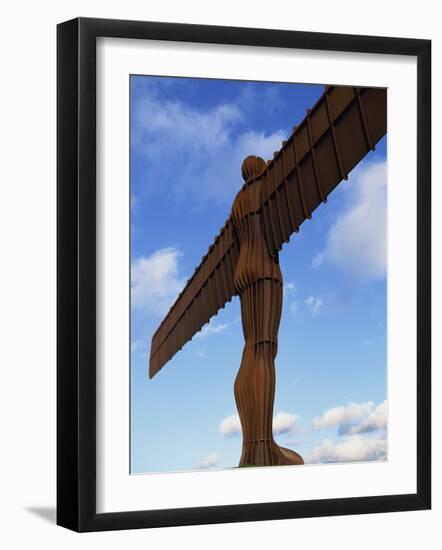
[261, 305]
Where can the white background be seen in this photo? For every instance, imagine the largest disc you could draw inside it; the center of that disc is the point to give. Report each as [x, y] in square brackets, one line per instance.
[27, 300]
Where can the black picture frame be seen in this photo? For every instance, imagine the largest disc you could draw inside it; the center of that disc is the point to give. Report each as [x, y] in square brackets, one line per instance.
[76, 273]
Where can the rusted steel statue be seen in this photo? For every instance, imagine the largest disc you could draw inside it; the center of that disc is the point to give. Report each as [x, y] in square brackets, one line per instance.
[276, 198]
[258, 281]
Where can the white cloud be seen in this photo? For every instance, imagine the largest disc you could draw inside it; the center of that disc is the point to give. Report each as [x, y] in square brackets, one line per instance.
[291, 302]
[212, 328]
[343, 415]
[294, 308]
[155, 283]
[284, 423]
[314, 304]
[289, 289]
[209, 145]
[230, 426]
[138, 346]
[209, 461]
[317, 260]
[357, 241]
[354, 418]
[353, 449]
[376, 420]
[191, 128]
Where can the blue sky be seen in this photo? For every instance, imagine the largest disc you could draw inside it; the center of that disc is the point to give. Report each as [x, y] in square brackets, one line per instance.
[188, 139]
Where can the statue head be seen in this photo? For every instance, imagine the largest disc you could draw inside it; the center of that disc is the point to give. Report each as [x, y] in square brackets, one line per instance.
[252, 166]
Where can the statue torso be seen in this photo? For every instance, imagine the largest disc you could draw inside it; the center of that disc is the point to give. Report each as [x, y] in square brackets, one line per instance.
[254, 260]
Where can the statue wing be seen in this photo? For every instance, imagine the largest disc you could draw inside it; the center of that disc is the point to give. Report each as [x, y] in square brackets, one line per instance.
[336, 134]
[208, 290]
[342, 127]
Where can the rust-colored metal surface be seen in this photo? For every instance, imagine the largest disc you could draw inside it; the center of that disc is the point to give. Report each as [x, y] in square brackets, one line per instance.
[258, 281]
[275, 200]
[208, 290]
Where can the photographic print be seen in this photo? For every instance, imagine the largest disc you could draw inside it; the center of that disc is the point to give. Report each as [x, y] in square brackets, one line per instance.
[240, 335]
[258, 274]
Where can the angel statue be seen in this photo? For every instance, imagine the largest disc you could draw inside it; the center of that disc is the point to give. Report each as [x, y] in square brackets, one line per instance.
[275, 199]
